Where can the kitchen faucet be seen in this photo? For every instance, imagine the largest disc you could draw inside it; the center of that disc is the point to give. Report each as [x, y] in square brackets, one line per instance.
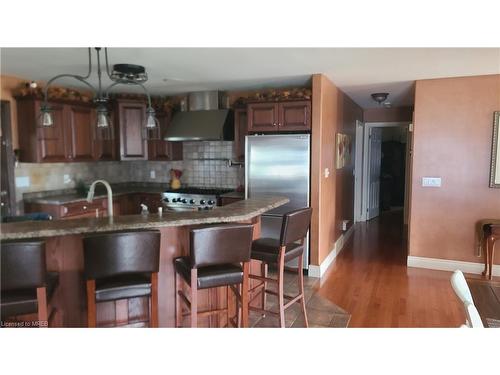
[90, 195]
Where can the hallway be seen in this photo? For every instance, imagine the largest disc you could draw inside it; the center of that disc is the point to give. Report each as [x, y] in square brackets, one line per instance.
[370, 280]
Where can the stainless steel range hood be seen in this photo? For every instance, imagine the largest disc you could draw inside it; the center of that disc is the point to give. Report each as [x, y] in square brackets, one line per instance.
[204, 121]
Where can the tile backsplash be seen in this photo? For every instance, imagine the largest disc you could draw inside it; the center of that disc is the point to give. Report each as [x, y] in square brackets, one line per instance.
[205, 164]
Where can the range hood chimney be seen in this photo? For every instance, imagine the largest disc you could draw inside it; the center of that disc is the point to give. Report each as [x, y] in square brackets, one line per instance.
[204, 121]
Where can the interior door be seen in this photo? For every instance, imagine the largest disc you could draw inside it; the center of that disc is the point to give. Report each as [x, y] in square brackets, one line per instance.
[374, 160]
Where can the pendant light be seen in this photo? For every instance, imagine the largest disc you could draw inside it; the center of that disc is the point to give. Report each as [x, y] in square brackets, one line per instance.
[126, 74]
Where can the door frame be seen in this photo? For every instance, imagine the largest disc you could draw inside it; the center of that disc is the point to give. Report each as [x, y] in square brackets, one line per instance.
[364, 155]
[358, 171]
[6, 128]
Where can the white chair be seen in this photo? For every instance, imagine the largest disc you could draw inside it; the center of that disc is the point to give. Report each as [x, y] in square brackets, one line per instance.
[462, 290]
[460, 287]
[473, 316]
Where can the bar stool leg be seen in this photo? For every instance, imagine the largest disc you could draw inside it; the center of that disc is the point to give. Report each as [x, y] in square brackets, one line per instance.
[486, 259]
[194, 298]
[154, 301]
[263, 269]
[301, 289]
[178, 307]
[244, 295]
[41, 296]
[490, 243]
[91, 307]
[281, 299]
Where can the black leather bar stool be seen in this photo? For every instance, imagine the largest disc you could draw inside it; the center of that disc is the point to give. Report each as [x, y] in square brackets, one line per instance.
[26, 286]
[122, 265]
[272, 251]
[219, 256]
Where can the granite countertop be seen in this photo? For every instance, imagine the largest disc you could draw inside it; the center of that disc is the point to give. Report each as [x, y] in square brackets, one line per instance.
[66, 196]
[234, 212]
[234, 194]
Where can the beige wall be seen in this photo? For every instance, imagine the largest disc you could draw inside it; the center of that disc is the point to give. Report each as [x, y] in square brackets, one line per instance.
[399, 114]
[7, 84]
[332, 198]
[452, 139]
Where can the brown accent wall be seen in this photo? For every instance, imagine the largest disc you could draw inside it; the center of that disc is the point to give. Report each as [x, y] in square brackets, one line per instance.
[452, 140]
[399, 114]
[332, 198]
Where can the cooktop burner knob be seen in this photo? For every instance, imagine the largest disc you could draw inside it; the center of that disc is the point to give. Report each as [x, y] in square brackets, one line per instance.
[211, 202]
[184, 200]
[202, 201]
[166, 200]
[192, 201]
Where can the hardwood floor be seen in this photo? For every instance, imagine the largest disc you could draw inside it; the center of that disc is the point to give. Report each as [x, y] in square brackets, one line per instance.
[370, 280]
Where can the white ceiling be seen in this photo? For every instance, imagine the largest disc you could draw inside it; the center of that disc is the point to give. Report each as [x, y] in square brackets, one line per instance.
[357, 71]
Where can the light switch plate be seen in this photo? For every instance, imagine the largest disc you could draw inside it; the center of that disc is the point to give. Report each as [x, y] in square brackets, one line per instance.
[431, 181]
[23, 181]
[152, 174]
[327, 172]
[66, 179]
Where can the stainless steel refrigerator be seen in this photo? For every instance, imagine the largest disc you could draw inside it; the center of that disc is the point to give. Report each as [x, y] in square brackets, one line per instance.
[278, 165]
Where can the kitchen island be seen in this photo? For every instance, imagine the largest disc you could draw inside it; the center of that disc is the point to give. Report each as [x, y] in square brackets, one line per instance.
[64, 252]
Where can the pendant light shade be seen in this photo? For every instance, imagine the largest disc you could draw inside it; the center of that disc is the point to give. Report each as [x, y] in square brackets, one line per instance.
[151, 120]
[46, 118]
[102, 116]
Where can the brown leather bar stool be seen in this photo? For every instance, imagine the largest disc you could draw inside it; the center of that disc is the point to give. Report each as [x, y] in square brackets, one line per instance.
[219, 256]
[122, 265]
[26, 286]
[272, 251]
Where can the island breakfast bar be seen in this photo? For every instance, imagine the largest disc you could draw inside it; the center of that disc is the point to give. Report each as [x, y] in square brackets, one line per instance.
[64, 253]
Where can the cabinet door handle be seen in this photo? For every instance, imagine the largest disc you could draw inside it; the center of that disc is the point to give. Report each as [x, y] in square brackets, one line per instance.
[84, 207]
[275, 124]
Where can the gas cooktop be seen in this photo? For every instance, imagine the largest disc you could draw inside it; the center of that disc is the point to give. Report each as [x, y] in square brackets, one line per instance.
[192, 198]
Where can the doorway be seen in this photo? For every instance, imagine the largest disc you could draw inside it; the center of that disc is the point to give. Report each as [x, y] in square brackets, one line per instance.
[7, 194]
[382, 166]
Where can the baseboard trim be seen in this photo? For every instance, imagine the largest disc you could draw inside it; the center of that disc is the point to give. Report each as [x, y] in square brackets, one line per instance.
[319, 271]
[449, 265]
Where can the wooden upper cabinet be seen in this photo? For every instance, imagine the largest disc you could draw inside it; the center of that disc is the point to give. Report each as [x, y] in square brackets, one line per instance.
[295, 116]
[106, 149]
[279, 116]
[164, 150]
[70, 138]
[263, 117]
[131, 116]
[240, 131]
[51, 145]
[80, 136]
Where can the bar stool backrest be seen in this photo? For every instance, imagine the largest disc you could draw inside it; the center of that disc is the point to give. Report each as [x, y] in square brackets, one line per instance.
[116, 253]
[295, 225]
[23, 265]
[221, 244]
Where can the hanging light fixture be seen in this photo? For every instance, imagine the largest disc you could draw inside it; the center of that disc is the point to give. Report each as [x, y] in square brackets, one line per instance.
[380, 97]
[127, 74]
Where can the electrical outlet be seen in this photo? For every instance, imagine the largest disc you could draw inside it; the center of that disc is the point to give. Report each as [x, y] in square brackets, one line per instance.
[431, 181]
[66, 179]
[327, 172]
[152, 174]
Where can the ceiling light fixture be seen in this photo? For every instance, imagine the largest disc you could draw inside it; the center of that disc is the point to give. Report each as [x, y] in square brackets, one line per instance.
[380, 97]
[127, 74]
